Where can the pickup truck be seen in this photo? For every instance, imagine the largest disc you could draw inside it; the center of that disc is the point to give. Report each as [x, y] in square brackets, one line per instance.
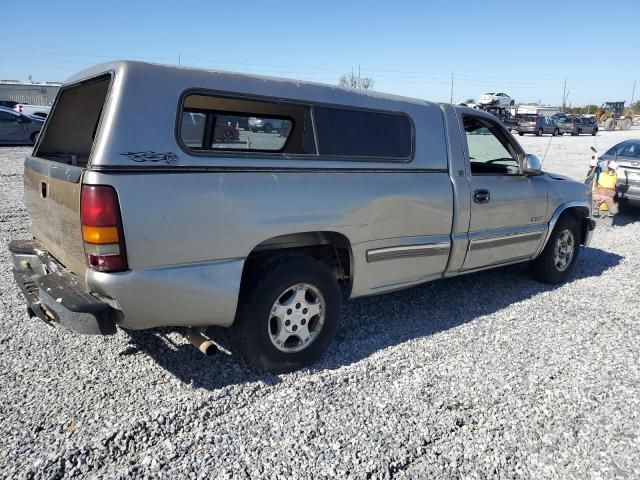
[364, 193]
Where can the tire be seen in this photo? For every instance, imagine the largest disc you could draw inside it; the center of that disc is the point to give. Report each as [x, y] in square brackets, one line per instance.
[609, 124]
[579, 131]
[254, 130]
[625, 124]
[521, 134]
[556, 132]
[594, 132]
[228, 137]
[552, 266]
[540, 132]
[268, 128]
[257, 329]
[34, 137]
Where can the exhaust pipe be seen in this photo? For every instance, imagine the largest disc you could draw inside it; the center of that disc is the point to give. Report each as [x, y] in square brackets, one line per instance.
[202, 343]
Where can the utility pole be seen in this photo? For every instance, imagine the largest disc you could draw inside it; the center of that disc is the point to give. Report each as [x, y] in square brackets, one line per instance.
[564, 93]
[179, 63]
[451, 98]
[633, 93]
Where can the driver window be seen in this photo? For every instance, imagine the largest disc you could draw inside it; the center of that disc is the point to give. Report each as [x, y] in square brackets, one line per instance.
[489, 150]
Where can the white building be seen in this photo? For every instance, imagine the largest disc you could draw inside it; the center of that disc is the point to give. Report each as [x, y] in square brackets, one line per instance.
[33, 93]
[544, 110]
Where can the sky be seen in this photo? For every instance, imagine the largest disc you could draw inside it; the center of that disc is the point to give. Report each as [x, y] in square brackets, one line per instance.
[411, 48]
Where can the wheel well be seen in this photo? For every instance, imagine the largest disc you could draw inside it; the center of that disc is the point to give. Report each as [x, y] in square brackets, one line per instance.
[331, 248]
[579, 213]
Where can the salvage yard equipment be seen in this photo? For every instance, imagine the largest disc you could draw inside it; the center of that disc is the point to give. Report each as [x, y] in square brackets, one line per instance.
[613, 115]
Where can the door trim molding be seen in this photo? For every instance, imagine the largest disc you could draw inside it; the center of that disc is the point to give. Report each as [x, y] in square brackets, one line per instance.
[405, 251]
[503, 240]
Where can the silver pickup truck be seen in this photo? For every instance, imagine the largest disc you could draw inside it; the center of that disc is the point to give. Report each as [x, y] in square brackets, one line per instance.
[144, 217]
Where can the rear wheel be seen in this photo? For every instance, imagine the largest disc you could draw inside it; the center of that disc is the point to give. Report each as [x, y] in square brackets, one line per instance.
[559, 257]
[288, 314]
[539, 132]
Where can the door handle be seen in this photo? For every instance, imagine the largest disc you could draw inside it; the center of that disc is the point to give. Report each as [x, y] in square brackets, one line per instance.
[481, 196]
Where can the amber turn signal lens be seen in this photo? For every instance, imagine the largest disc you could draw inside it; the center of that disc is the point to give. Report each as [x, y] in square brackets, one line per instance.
[100, 235]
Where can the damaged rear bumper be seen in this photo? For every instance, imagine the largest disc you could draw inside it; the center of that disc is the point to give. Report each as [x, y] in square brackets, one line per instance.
[56, 295]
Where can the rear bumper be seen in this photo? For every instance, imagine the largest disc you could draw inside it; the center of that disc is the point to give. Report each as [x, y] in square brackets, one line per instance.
[56, 295]
[630, 191]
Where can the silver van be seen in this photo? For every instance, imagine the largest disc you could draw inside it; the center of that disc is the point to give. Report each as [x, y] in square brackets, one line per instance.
[147, 212]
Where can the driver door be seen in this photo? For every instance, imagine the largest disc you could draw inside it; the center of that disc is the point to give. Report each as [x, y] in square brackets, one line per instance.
[508, 209]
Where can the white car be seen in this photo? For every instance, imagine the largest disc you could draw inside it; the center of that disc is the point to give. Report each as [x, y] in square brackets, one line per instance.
[32, 110]
[499, 99]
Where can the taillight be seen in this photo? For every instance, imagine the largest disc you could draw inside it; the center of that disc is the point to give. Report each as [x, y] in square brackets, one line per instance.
[20, 108]
[102, 229]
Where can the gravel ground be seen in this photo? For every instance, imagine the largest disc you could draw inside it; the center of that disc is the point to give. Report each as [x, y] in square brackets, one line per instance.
[512, 379]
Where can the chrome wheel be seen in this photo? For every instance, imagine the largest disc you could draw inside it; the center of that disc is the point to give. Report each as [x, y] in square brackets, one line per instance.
[563, 250]
[297, 317]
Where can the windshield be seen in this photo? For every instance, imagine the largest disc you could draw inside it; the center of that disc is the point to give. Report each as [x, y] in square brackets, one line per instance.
[490, 93]
[627, 149]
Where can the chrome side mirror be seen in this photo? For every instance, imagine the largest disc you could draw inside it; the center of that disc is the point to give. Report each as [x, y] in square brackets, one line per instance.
[532, 165]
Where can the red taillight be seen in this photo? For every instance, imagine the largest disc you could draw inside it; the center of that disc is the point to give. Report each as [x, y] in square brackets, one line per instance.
[102, 229]
[20, 108]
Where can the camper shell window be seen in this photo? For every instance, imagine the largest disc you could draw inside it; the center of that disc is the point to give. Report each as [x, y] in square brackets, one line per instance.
[210, 123]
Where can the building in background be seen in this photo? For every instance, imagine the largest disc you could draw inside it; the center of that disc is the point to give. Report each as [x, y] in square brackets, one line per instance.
[32, 93]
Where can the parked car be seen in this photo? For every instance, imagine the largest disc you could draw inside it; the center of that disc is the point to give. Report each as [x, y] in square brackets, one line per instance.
[538, 125]
[577, 125]
[8, 103]
[193, 130]
[18, 129]
[260, 124]
[32, 110]
[627, 156]
[499, 99]
[512, 121]
[366, 194]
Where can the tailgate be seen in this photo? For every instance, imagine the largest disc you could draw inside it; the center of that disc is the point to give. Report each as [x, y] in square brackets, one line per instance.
[52, 197]
[52, 176]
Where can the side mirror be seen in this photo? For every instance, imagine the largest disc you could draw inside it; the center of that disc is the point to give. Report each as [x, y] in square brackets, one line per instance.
[532, 165]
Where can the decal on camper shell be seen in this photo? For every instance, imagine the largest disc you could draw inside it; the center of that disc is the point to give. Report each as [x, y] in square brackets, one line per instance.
[150, 156]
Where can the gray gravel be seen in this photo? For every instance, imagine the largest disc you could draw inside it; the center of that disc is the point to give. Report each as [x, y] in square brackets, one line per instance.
[489, 375]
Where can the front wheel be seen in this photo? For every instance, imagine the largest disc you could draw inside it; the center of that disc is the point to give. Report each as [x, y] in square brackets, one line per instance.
[539, 132]
[558, 259]
[288, 314]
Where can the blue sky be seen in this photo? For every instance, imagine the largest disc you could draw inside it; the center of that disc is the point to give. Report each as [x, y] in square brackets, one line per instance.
[408, 47]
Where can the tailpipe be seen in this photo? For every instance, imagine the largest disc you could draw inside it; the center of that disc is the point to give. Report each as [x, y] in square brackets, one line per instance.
[202, 343]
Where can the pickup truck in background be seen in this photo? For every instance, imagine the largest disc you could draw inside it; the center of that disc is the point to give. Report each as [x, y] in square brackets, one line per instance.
[135, 226]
